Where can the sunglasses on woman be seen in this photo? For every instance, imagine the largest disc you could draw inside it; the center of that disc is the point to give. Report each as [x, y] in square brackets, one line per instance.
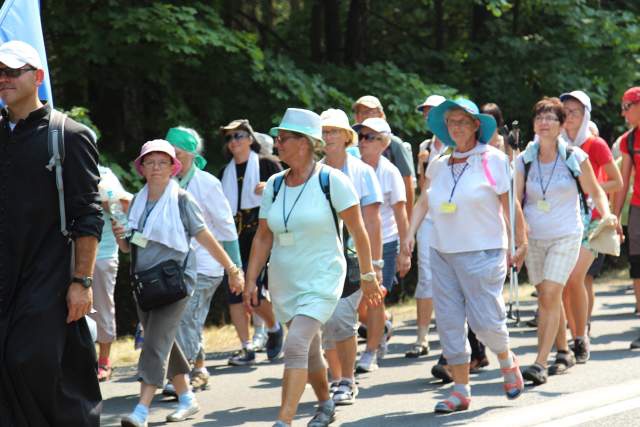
[236, 135]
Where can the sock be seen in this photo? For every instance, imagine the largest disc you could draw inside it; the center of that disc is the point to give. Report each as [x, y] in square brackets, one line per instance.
[185, 399]
[104, 361]
[276, 328]
[349, 380]
[203, 370]
[423, 331]
[581, 338]
[505, 364]
[247, 345]
[141, 412]
[463, 389]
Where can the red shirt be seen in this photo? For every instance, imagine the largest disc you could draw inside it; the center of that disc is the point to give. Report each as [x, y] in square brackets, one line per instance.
[599, 155]
[635, 198]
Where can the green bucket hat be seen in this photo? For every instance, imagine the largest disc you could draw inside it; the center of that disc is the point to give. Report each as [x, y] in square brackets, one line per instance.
[188, 140]
[301, 121]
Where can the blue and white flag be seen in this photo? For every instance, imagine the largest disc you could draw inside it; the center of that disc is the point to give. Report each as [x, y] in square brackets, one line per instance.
[20, 20]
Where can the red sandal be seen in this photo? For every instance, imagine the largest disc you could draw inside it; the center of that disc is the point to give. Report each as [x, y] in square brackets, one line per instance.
[513, 390]
[104, 373]
[454, 403]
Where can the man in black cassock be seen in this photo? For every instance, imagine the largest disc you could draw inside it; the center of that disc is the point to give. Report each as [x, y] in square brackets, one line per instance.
[47, 357]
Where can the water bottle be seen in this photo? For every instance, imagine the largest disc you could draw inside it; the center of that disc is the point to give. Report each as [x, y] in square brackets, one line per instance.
[115, 208]
[138, 338]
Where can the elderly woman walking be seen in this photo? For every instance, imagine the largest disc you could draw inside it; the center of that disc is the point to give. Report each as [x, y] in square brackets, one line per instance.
[468, 197]
[299, 227]
[550, 177]
[164, 218]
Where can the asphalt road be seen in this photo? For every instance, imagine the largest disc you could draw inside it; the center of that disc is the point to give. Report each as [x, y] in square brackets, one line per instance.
[604, 392]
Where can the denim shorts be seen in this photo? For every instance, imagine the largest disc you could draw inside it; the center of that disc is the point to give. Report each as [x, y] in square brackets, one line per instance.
[389, 255]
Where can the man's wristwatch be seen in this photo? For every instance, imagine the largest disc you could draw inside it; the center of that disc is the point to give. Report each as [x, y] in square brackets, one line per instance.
[378, 263]
[368, 277]
[85, 281]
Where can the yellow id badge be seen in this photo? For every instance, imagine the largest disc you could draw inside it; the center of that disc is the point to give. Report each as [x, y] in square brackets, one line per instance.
[139, 240]
[286, 239]
[448, 207]
[544, 206]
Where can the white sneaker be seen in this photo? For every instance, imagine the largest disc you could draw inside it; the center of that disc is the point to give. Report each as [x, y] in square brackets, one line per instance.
[346, 393]
[382, 350]
[259, 341]
[367, 362]
[182, 414]
[132, 421]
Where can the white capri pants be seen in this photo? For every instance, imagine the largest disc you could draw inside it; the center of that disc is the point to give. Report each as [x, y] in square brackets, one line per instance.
[424, 289]
[104, 283]
[467, 287]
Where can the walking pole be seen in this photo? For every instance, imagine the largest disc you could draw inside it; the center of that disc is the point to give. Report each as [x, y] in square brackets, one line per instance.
[513, 284]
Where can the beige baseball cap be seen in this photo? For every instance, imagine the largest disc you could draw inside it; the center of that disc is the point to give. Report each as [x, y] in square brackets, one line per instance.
[368, 101]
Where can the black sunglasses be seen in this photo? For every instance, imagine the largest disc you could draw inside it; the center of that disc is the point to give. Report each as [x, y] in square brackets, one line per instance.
[235, 135]
[367, 137]
[13, 73]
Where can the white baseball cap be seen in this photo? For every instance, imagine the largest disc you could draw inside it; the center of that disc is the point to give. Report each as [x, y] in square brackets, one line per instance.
[580, 96]
[16, 54]
[376, 124]
[431, 101]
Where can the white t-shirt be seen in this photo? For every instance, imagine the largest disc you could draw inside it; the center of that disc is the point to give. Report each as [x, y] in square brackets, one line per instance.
[393, 192]
[563, 218]
[477, 223]
[207, 190]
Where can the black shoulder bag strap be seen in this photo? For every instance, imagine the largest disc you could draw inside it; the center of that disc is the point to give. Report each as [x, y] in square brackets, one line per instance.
[631, 137]
[55, 146]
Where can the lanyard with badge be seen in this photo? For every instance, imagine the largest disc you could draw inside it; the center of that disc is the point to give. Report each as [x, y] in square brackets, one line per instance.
[138, 238]
[450, 207]
[543, 205]
[286, 238]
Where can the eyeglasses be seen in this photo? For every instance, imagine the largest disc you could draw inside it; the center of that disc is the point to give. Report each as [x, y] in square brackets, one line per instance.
[369, 137]
[548, 119]
[573, 113]
[283, 139]
[162, 164]
[13, 73]
[235, 135]
[459, 123]
[626, 106]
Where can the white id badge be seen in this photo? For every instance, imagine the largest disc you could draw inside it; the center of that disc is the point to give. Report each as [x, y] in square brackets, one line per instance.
[286, 239]
[139, 240]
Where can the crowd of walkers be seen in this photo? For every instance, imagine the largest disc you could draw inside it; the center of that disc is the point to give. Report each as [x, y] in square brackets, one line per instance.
[310, 227]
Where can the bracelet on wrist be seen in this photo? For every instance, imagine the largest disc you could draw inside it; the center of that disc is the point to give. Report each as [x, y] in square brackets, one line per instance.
[233, 270]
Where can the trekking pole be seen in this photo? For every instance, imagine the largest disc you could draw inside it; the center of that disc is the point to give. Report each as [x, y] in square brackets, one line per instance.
[512, 209]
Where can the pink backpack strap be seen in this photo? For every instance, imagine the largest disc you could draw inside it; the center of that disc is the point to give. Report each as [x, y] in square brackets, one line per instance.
[487, 171]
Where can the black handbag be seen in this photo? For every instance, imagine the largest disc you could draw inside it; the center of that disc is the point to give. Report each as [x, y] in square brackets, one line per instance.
[160, 285]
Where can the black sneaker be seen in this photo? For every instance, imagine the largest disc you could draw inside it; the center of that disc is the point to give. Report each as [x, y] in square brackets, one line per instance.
[564, 360]
[440, 371]
[581, 350]
[243, 358]
[274, 343]
[362, 331]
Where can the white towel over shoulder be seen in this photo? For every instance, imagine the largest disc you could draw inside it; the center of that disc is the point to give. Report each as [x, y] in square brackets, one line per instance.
[251, 179]
[164, 224]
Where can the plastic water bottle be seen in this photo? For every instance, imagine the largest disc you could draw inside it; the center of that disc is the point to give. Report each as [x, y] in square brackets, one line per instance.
[115, 208]
[138, 338]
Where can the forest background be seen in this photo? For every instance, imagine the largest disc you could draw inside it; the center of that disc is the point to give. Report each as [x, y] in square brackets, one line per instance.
[134, 68]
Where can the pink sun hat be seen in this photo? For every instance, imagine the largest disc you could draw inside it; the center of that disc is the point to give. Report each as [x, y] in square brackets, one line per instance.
[161, 146]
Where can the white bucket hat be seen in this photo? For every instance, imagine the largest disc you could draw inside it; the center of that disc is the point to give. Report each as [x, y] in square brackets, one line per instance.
[431, 101]
[336, 118]
[301, 121]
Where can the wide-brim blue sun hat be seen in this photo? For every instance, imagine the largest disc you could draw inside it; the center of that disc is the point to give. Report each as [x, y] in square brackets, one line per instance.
[301, 121]
[438, 126]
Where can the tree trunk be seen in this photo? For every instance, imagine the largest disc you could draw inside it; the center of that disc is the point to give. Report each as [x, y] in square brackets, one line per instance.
[267, 22]
[439, 24]
[479, 17]
[356, 19]
[315, 37]
[332, 30]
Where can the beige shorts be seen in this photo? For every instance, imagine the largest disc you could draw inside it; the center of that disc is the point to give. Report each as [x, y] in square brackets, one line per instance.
[343, 323]
[552, 259]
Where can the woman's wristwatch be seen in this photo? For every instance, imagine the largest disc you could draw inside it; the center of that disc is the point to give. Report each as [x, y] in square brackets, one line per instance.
[378, 263]
[368, 277]
[233, 270]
